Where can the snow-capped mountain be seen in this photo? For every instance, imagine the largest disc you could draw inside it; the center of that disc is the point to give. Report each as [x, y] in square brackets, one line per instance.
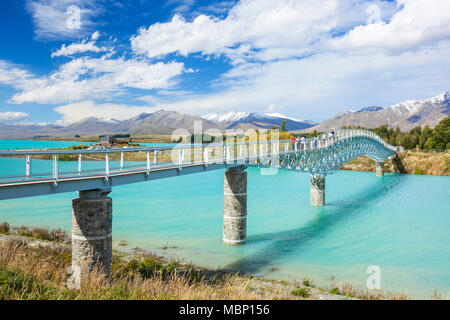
[246, 120]
[226, 117]
[405, 115]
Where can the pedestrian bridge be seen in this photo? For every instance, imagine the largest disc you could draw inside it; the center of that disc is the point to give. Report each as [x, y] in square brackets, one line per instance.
[94, 172]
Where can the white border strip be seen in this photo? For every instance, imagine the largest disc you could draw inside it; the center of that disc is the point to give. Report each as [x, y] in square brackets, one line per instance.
[83, 238]
[234, 194]
[234, 241]
[240, 218]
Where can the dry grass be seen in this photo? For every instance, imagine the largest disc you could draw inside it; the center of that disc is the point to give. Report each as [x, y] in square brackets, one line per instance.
[56, 235]
[34, 269]
[413, 162]
[36, 272]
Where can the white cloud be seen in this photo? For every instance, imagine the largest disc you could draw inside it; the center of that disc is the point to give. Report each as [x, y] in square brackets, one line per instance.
[256, 24]
[12, 74]
[312, 58]
[97, 78]
[417, 24]
[80, 47]
[12, 117]
[324, 84]
[52, 18]
[77, 111]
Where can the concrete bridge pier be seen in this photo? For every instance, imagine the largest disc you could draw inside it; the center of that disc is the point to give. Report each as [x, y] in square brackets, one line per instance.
[317, 190]
[91, 232]
[380, 168]
[235, 206]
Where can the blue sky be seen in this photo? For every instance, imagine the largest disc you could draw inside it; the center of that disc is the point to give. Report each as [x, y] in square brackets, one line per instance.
[64, 60]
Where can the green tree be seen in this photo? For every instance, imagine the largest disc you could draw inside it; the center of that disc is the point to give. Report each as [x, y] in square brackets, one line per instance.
[426, 134]
[441, 136]
[314, 134]
[382, 131]
[283, 126]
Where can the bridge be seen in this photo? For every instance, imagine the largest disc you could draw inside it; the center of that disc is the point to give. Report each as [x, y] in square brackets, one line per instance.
[93, 173]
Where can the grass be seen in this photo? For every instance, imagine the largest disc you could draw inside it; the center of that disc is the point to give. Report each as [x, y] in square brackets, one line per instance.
[36, 272]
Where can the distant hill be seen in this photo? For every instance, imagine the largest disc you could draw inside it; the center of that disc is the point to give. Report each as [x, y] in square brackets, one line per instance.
[160, 122]
[244, 120]
[405, 115]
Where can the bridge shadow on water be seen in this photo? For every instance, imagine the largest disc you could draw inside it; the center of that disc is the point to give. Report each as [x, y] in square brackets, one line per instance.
[287, 242]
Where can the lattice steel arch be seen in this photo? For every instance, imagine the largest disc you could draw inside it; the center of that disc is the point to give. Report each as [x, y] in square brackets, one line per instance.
[324, 154]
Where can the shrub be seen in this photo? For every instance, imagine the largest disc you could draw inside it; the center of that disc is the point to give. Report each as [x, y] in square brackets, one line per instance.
[334, 290]
[4, 228]
[43, 233]
[300, 292]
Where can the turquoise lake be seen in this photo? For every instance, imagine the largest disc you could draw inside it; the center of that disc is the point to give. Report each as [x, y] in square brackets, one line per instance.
[400, 223]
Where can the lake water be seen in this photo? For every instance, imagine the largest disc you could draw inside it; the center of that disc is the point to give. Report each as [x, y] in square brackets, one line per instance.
[399, 223]
[43, 144]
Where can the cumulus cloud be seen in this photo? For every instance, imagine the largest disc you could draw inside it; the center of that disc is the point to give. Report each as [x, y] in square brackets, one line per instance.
[12, 117]
[305, 58]
[283, 29]
[417, 24]
[254, 24]
[77, 111]
[12, 74]
[324, 84]
[87, 78]
[80, 47]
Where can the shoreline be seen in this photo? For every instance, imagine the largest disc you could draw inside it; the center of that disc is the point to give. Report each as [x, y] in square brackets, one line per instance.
[251, 287]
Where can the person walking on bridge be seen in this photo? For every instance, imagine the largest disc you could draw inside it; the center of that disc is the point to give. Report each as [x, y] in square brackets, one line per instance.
[293, 142]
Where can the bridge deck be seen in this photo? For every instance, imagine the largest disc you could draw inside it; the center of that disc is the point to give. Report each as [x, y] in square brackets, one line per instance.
[318, 155]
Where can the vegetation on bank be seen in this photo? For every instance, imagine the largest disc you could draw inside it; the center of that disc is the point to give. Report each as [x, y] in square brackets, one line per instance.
[417, 138]
[410, 161]
[34, 269]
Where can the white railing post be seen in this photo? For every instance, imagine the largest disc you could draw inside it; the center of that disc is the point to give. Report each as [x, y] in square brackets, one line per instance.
[246, 153]
[55, 167]
[28, 165]
[106, 165]
[155, 157]
[79, 164]
[180, 157]
[205, 155]
[121, 161]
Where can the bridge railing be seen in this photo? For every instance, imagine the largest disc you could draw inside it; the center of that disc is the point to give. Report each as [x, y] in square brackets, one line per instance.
[55, 165]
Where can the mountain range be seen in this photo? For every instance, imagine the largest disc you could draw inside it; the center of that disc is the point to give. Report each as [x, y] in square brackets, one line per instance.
[405, 115]
[254, 120]
[159, 122]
